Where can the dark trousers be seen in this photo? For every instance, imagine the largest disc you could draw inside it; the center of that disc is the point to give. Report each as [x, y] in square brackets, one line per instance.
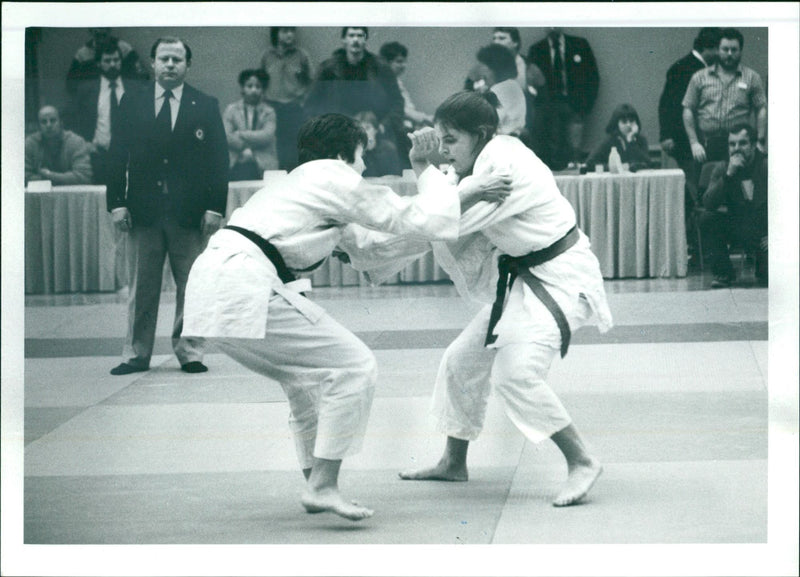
[720, 230]
[289, 118]
[566, 128]
[148, 248]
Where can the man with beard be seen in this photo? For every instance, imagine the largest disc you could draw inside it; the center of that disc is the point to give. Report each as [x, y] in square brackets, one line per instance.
[96, 106]
[720, 97]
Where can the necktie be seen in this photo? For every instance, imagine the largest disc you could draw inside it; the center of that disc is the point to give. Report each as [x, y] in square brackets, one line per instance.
[112, 99]
[164, 118]
[558, 67]
[253, 116]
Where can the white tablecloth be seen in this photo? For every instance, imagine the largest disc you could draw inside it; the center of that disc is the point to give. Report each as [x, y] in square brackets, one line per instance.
[635, 223]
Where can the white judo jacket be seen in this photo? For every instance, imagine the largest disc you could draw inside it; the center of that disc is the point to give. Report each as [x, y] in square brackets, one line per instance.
[533, 217]
[302, 215]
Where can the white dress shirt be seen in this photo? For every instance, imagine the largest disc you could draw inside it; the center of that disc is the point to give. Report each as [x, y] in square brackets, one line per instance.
[102, 132]
[174, 102]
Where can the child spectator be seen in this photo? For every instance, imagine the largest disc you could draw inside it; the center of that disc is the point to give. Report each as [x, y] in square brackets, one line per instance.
[623, 132]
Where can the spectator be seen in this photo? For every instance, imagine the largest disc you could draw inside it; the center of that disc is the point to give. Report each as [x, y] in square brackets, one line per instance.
[536, 135]
[250, 128]
[573, 81]
[290, 72]
[84, 64]
[55, 154]
[167, 190]
[736, 207]
[380, 155]
[722, 96]
[96, 105]
[496, 71]
[509, 37]
[396, 55]
[354, 80]
[674, 141]
[670, 110]
[624, 133]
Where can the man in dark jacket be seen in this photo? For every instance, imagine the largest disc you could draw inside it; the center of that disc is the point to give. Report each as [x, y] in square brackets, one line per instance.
[673, 137]
[95, 108]
[670, 108]
[736, 207]
[569, 66]
[354, 80]
[170, 141]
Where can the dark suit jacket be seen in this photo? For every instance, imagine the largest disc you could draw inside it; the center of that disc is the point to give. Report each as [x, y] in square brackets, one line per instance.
[194, 162]
[84, 108]
[670, 109]
[583, 79]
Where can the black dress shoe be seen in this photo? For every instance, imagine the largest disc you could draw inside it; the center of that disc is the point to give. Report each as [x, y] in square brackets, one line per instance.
[194, 367]
[127, 369]
[721, 281]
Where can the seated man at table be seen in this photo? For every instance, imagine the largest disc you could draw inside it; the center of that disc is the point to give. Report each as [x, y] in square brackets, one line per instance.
[736, 205]
[55, 154]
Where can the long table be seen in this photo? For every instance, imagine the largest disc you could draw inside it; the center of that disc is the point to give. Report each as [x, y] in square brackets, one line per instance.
[635, 222]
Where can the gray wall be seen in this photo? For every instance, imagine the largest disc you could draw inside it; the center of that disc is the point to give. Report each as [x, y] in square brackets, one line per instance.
[632, 61]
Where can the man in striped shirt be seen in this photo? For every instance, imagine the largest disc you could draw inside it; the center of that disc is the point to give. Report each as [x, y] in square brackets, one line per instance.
[720, 97]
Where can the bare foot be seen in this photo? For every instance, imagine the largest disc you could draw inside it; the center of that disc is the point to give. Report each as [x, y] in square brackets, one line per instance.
[579, 481]
[331, 501]
[441, 472]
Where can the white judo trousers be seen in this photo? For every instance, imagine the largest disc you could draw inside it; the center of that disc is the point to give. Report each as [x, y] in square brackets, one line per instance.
[326, 372]
[516, 366]
[236, 300]
[517, 372]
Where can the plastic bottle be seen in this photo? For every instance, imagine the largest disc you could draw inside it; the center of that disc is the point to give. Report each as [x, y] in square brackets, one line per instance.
[614, 161]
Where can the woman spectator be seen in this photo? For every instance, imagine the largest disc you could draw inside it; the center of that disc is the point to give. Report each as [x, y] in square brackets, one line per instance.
[496, 71]
[250, 127]
[623, 132]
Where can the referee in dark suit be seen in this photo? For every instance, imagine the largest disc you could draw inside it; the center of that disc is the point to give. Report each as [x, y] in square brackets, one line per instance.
[168, 190]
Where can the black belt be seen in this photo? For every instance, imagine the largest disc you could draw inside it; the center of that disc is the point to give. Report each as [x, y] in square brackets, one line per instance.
[269, 251]
[511, 267]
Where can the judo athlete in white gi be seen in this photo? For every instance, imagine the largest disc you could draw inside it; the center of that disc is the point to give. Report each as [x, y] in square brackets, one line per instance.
[549, 284]
[243, 295]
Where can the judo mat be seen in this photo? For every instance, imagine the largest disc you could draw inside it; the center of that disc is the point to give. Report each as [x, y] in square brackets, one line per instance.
[673, 401]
